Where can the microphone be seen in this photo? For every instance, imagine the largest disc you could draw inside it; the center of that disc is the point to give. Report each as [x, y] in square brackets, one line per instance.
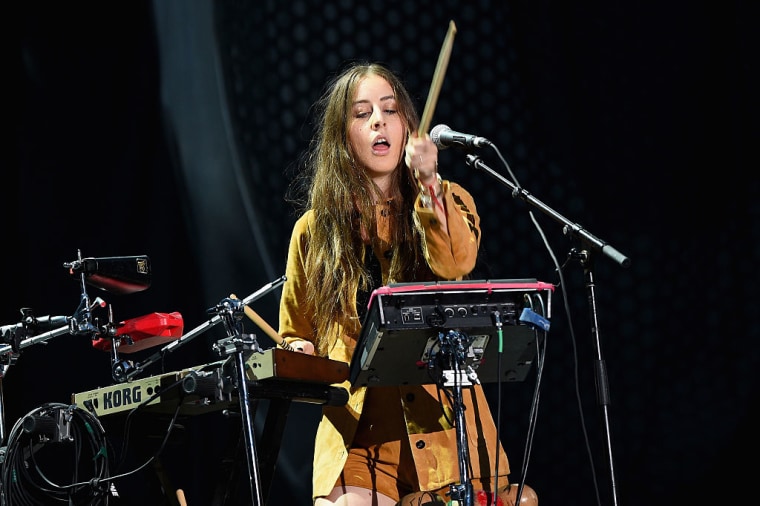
[30, 326]
[48, 322]
[443, 136]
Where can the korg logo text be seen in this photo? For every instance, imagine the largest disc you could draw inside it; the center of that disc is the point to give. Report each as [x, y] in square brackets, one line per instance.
[122, 397]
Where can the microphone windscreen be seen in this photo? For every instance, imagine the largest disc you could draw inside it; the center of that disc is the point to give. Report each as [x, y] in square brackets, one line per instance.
[435, 135]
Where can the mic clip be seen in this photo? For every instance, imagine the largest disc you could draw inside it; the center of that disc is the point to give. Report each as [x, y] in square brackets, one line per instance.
[236, 344]
[233, 307]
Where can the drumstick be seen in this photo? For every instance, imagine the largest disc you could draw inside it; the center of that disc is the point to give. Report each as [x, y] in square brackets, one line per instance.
[181, 497]
[440, 72]
[263, 325]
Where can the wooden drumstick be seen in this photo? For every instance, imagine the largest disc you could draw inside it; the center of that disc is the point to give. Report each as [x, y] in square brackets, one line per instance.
[263, 325]
[440, 72]
[181, 497]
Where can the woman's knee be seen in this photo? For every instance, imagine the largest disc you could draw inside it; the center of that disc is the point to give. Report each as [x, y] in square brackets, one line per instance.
[528, 496]
[354, 496]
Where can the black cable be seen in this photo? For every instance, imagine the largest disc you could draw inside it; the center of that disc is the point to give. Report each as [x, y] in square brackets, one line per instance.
[169, 429]
[26, 474]
[25, 479]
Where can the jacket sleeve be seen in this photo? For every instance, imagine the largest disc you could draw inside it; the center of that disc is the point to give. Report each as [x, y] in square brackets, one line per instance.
[294, 321]
[451, 254]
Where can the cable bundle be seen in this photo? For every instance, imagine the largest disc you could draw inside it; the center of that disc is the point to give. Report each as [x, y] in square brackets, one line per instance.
[56, 453]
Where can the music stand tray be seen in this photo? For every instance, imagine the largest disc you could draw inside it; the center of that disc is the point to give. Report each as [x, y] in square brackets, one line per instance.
[401, 329]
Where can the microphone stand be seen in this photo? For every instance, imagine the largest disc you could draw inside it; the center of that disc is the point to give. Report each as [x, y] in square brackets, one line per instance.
[590, 241]
[80, 323]
[174, 345]
[239, 344]
[228, 312]
[453, 348]
[7, 349]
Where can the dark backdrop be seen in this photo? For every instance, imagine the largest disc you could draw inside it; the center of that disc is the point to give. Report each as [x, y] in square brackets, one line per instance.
[173, 129]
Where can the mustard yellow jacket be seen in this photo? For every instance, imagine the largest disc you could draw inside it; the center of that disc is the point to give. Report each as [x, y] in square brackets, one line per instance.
[433, 440]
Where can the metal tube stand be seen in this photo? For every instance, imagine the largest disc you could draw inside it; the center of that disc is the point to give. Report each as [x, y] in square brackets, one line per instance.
[452, 354]
[238, 344]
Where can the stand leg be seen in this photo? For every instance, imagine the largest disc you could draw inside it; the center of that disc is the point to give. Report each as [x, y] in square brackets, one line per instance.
[463, 491]
[274, 426]
[248, 430]
[600, 375]
[2, 411]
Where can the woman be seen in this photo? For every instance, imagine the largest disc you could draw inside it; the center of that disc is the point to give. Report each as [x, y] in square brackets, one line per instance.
[377, 212]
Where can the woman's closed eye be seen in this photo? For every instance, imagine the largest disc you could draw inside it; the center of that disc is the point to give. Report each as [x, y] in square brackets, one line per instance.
[366, 114]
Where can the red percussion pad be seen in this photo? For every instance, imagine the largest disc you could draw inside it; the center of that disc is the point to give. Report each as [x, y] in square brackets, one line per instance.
[144, 332]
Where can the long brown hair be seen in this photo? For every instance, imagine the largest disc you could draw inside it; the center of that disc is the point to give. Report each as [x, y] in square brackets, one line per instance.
[342, 198]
